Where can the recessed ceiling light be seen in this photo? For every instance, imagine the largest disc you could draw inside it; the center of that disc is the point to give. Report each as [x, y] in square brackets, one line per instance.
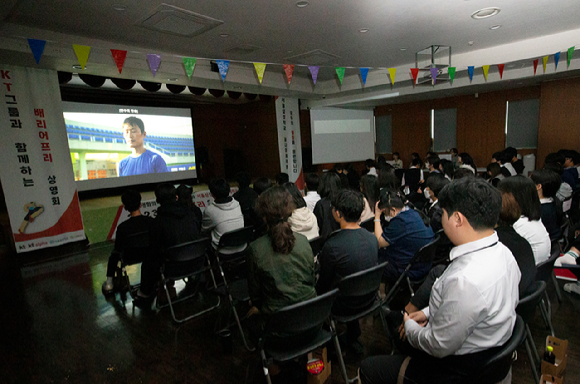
[302, 4]
[119, 7]
[363, 30]
[470, 43]
[403, 49]
[173, 79]
[76, 66]
[494, 27]
[224, 35]
[485, 13]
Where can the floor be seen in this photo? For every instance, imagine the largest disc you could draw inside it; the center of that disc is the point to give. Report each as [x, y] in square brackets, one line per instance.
[57, 327]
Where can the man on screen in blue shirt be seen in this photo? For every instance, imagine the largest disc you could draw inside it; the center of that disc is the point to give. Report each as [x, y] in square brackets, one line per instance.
[142, 160]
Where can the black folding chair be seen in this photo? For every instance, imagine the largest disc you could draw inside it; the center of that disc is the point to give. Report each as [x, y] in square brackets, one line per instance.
[316, 244]
[186, 260]
[526, 309]
[138, 250]
[236, 290]
[545, 273]
[424, 255]
[299, 319]
[369, 225]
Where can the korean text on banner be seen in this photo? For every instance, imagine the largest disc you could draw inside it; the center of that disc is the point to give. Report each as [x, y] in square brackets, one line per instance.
[289, 142]
[36, 172]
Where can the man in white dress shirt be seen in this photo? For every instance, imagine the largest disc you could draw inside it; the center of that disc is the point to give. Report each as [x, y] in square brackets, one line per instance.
[471, 310]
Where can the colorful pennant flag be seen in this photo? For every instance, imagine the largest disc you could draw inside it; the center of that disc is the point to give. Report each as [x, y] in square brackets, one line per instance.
[363, 74]
[570, 53]
[154, 60]
[260, 68]
[451, 72]
[314, 73]
[119, 57]
[535, 66]
[544, 62]
[82, 52]
[223, 66]
[289, 69]
[340, 73]
[37, 48]
[500, 67]
[189, 65]
[392, 72]
[434, 72]
[556, 60]
[485, 71]
[470, 71]
[414, 73]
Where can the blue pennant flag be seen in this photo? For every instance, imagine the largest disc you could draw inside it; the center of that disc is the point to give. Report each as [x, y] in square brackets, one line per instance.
[37, 48]
[470, 71]
[556, 59]
[363, 74]
[223, 66]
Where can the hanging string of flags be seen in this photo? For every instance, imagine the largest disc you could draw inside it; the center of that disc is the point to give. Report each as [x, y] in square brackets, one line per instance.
[82, 53]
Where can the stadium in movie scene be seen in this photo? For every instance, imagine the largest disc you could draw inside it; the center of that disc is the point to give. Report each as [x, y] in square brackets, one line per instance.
[108, 141]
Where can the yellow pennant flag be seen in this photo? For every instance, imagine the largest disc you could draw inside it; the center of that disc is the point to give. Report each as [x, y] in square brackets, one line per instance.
[485, 71]
[392, 72]
[544, 62]
[260, 68]
[82, 52]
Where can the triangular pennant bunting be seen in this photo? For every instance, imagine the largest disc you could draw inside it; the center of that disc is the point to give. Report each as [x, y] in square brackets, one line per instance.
[223, 66]
[470, 71]
[82, 52]
[154, 60]
[556, 59]
[451, 72]
[363, 74]
[544, 62]
[414, 73]
[392, 73]
[189, 65]
[485, 71]
[260, 68]
[434, 72]
[314, 72]
[340, 73]
[535, 66]
[570, 53]
[500, 67]
[37, 48]
[289, 69]
[119, 57]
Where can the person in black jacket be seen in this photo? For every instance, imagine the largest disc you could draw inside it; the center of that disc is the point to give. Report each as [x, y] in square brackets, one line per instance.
[328, 186]
[547, 183]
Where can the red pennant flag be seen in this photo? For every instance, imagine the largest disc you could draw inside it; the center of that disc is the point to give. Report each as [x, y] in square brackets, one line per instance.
[414, 73]
[536, 65]
[500, 67]
[289, 69]
[119, 57]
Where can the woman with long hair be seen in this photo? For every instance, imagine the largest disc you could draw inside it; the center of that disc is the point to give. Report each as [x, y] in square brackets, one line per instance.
[302, 219]
[466, 161]
[369, 186]
[328, 186]
[529, 226]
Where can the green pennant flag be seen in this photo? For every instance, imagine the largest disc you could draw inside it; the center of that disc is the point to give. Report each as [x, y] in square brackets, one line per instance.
[340, 73]
[451, 72]
[570, 53]
[189, 64]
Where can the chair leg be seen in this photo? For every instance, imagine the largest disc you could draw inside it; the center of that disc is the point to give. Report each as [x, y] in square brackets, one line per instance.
[547, 319]
[529, 337]
[265, 366]
[339, 354]
[231, 300]
[387, 330]
[555, 281]
[533, 365]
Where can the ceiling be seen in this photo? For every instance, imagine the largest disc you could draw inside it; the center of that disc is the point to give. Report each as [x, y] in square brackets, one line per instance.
[325, 33]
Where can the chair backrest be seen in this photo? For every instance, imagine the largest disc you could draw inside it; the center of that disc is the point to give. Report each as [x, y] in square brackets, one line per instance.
[316, 244]
[426, 253]
[138, 244]
[237, 237]
[527, 305]
[545, 268]
[189, 251]
[302, 316]
[369, 225]
[362, 282]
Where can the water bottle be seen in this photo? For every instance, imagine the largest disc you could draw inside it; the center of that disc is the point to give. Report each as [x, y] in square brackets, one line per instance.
[549, 356]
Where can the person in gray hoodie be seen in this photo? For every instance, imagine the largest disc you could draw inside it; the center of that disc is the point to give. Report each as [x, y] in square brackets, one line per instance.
[302, 220]
[223, 215]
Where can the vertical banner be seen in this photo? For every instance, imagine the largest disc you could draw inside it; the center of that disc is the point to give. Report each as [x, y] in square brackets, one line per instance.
[289, 142]
[36, 172]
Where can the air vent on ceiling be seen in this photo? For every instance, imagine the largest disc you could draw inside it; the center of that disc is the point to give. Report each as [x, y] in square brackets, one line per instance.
[316, 57]
[169, 19]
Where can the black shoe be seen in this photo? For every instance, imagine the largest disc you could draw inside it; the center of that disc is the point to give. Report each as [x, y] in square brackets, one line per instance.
[143, 302]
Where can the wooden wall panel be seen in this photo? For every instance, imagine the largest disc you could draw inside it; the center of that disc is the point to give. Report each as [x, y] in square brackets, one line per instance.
[411, 127]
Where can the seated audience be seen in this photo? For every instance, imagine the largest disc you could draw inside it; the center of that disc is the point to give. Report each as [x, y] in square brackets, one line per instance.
[564, 194]
[312, 195]
[397, 162]
[455, 158]
[472, 306]
[351, 250]
[547, 183]
[352, 176]
[504, 161]
[516, 163]
[494, 173]
[388, 179]
[246, 196]
[369, 186]
[529, 226]
[465, 161]
[223, 215]
[137, 223]
[462, 172]
[571, 258]
[402, 238]
[282, 178]
[413, 176]
[262, 184]
[433, 186]
[370, 167]
[185, 196]
[414, 156]
[432, 163]
[302, 219]
[446, 168]
[570, 173]
[329, 186]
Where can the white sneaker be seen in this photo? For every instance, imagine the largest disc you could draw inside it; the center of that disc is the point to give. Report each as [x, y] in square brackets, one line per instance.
[572, 287]
[565, 259]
